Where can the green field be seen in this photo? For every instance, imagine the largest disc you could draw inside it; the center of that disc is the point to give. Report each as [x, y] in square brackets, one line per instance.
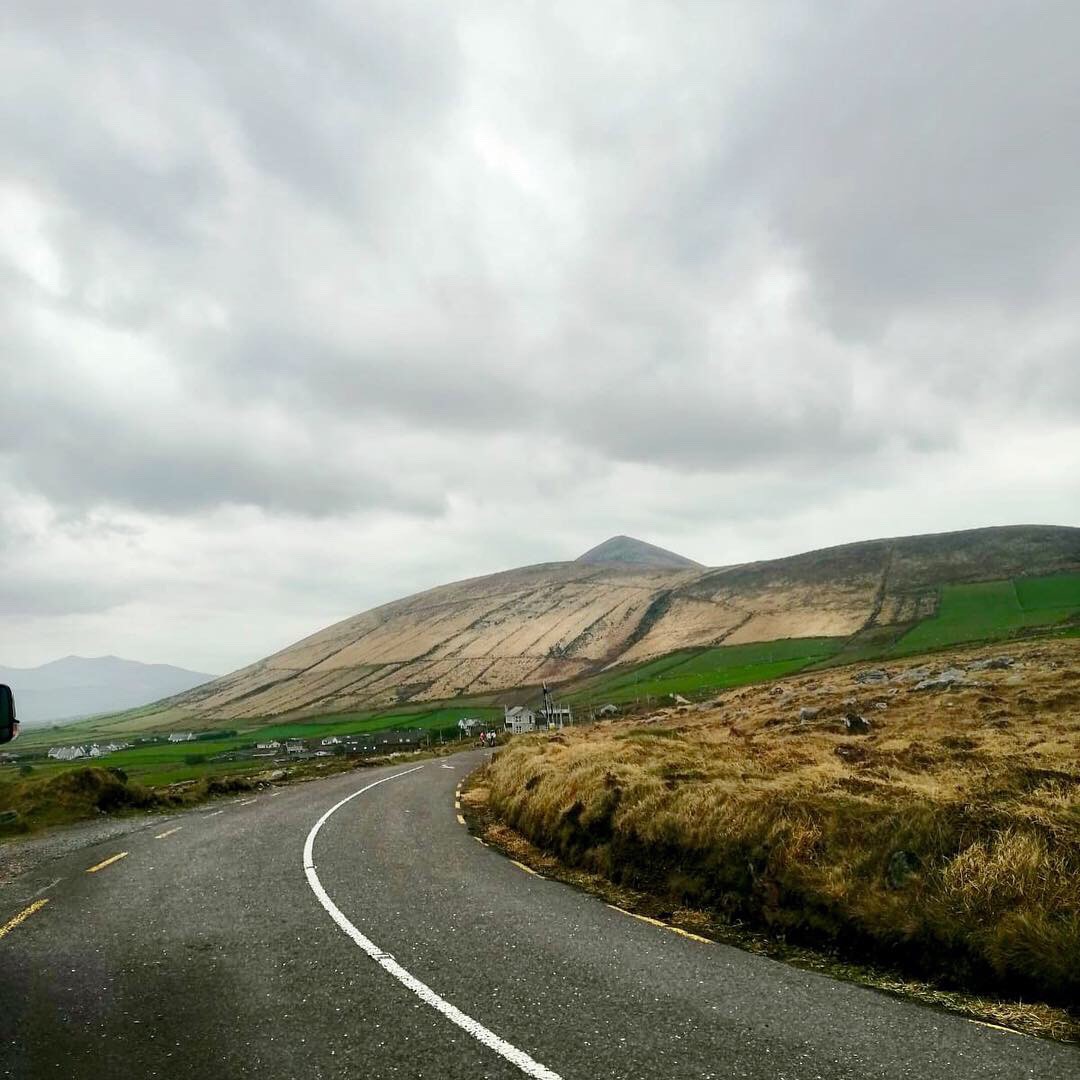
[1052, 593]
[993, 610]
[167, 763]
[694, 671]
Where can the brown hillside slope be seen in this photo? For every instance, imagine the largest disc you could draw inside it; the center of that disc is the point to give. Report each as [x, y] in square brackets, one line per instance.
[556, 621]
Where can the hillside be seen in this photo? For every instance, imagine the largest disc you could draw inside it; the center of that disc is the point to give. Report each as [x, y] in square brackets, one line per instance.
[83, 686]
[622, 602]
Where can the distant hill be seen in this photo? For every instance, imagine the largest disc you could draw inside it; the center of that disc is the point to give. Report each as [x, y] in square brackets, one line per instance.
[83, 686]
[623, 601]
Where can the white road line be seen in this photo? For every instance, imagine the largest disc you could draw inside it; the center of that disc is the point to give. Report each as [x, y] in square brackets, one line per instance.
[45, 888]
[215, 813]
[473, 1027]
[247, 802]
[446, 766]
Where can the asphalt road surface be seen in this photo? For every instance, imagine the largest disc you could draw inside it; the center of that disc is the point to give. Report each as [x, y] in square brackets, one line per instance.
[246, 939]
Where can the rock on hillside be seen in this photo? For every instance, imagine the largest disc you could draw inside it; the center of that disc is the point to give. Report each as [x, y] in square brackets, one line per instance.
[557, 621]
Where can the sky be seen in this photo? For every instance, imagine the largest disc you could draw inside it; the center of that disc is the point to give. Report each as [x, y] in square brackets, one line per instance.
[307, 307]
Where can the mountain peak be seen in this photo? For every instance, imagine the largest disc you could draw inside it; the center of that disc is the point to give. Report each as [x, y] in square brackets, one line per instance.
[632, 552]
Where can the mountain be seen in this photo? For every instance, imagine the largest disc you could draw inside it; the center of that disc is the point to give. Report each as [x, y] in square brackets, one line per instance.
[627, 551]
[559, 621]
[82, 686]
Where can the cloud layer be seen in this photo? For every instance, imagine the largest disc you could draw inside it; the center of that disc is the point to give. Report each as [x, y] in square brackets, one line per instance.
[305, 308]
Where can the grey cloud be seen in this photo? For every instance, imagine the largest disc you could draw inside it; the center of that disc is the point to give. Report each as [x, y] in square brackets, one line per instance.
[918, 154]
[322, 100]
[468, 268]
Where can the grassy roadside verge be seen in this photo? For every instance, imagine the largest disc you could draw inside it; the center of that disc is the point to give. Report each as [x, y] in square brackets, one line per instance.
[1026, 1018]
[939, 851]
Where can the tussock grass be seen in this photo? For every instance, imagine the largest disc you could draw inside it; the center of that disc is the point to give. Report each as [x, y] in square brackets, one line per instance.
[945, 842]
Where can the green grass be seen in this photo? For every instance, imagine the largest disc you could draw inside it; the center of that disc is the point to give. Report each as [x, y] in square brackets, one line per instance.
[1050, 593]
[165, 763]
[699, 670]
[993, 610]
[439, 719]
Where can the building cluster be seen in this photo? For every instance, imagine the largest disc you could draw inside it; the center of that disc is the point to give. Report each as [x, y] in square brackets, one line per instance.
[74, 753]
[377, 742]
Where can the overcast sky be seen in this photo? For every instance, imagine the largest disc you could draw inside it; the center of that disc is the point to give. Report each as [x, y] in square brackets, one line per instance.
[306, 307]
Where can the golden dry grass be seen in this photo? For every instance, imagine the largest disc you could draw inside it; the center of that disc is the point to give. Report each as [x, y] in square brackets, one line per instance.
[945, 841]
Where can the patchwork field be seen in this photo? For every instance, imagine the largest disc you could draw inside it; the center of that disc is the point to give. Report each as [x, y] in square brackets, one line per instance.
[993, 610]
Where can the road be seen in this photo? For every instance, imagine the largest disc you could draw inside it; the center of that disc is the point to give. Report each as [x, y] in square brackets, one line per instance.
[404, 948]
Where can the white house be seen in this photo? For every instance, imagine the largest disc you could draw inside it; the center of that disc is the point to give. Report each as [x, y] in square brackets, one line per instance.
[294, 746]
[332, 740]
[556, 716]
[67, 753]
[518, 720]
[469, 725]
[181, 736]
[273, 744]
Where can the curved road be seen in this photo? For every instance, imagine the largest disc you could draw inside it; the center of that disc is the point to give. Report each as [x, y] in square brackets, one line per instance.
[404, 948]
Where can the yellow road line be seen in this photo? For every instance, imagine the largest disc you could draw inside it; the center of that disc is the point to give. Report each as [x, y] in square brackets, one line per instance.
[457, 804]
[168, 832]
[460, 820]
[663, 925]
[108, 862]
[23, 915]
[479, 841]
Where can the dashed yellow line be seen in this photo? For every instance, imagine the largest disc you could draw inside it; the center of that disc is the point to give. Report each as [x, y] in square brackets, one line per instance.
[663, 925]
[168, 832]
[23, 915]
[107, 862]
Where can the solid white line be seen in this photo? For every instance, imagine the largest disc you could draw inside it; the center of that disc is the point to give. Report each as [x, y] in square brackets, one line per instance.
[473, 1027]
